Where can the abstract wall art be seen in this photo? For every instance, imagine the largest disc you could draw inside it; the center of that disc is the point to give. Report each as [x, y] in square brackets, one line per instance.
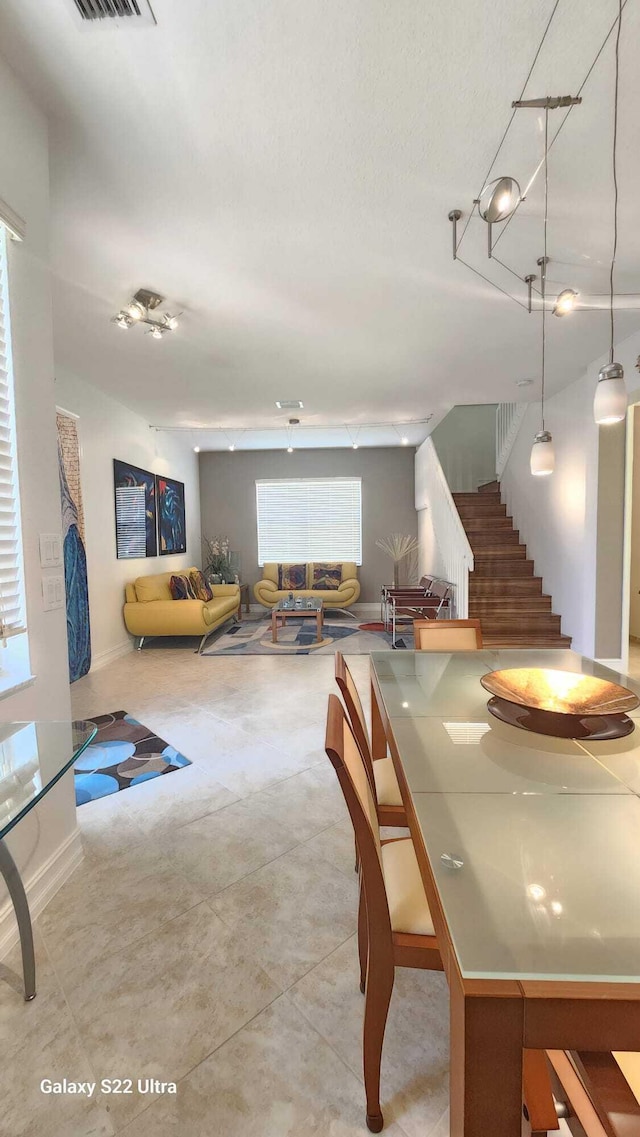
[172, 529]
[73, 536]
[136, 517]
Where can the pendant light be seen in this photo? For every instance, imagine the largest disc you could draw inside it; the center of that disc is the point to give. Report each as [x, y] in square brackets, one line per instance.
[543, 459]
[610, 402]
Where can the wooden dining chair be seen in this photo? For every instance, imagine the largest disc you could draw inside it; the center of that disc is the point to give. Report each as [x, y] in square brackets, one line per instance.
[382, 775]
[395, 928]
[600, 1090]
[447, 635]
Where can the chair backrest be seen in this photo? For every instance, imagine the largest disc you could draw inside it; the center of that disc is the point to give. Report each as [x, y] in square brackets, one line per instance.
[346, 759]
[426, 582]
[355, 712]
[442, 589]
[447, 635]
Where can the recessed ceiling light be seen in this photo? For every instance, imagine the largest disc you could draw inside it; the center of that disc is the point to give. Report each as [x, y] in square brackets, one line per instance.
[404, 440]
[196, 450]
[289, 449]
[232, 447]
[524, 382]
[289, 404]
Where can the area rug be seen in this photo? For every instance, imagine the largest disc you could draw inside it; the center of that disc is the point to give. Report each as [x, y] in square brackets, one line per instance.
[298, 637]
[122, 754]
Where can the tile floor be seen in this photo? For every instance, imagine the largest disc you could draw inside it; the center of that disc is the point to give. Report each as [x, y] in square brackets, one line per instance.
[208, 936]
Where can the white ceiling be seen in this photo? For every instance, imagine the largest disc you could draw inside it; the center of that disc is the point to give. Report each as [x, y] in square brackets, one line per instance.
[282, 171]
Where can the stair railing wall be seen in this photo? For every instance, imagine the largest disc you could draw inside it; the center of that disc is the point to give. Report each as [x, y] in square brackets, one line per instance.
[433, 493]
[509, 418]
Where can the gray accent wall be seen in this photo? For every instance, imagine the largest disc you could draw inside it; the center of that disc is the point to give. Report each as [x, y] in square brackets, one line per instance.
[228, 499]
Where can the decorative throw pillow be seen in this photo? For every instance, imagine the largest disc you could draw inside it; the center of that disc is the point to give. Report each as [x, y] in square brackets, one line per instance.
[326, 577]
[181, 588]
[291, 577]
[200, 586]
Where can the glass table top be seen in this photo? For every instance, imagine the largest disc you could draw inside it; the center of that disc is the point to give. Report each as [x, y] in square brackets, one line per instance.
[534, 841]
[33, 757]
[547, 886]
[306, 605]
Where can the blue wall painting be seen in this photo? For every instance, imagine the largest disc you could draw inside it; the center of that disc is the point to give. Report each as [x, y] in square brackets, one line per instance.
[75, 560]
[128, 545]
[172, 527]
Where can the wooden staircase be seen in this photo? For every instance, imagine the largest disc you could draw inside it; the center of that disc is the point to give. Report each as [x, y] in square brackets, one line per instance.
[504, 593]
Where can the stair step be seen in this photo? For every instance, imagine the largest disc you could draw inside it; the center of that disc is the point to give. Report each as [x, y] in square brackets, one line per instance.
[484, 523]
[502, 538]
[487, 564]
[499, 550]
[490, 487]
[498, 586]
[515, 605]
[539, 623]
[464, 498]
[524, 640]
[491, 512]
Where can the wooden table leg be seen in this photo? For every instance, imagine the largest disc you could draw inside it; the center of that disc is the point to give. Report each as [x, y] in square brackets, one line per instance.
[274, 626]
[319, 626]
[486, 1058]
[378, 736]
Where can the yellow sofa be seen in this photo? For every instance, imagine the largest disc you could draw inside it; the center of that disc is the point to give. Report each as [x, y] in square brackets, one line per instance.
[150, 610]
[266, 591]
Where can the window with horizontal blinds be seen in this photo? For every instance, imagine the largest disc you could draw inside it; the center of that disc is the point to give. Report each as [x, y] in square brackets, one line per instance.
[309, 519]
[12, 619]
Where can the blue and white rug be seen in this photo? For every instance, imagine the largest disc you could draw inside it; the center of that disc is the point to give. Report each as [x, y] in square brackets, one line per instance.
[298, 637]
[123, 753]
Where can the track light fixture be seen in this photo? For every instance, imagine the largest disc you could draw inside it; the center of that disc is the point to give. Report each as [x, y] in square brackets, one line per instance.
[610, 402]
[542, 461]
[137, 312]
[498, 200]
[565, 302]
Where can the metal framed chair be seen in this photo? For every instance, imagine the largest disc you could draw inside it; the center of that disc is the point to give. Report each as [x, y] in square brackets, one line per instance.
[405, 609]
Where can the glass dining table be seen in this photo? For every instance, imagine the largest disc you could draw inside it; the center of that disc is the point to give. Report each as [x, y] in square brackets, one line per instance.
[529, 849]
[33, 757]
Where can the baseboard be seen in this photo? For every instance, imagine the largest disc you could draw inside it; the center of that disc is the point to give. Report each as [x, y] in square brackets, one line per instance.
[103, 657]
[613, 664]
[41, 887]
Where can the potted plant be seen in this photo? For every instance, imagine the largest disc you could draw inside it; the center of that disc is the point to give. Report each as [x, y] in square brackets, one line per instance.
[217, 560]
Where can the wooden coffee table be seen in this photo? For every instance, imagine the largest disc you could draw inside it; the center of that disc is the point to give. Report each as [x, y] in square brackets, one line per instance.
[286, 608]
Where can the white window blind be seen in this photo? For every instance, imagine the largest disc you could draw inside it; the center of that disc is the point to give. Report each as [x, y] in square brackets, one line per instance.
[12, 620]
[309, 519]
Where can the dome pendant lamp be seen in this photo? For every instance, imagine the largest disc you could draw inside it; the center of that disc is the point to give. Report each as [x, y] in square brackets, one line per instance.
[543, 459]
[610, 402]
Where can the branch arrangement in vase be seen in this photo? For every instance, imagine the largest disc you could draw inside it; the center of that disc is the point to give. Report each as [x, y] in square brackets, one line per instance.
[398, 546]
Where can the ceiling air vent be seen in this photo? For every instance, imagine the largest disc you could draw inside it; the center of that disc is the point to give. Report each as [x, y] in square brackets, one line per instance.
[96, 13]
[289, 405]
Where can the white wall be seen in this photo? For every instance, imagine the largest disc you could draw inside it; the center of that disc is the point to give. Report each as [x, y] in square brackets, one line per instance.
[556, 515]
[634, 597]
[107, 430]
[465, 442]
[24, 184]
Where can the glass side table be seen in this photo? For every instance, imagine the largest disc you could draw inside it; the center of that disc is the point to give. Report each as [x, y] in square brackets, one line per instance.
[33, 757]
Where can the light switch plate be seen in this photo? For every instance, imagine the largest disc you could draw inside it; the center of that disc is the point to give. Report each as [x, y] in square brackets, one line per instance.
[53, 592]
[50, 550]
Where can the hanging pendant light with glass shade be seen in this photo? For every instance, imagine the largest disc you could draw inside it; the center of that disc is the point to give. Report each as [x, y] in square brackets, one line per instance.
[610, 402]
[543, 459]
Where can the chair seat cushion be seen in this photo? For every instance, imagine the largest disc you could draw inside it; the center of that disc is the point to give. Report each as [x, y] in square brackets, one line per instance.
[387, 788]
[408, 906]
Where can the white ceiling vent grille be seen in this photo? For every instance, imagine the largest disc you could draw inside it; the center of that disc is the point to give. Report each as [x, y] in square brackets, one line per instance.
[110, 13]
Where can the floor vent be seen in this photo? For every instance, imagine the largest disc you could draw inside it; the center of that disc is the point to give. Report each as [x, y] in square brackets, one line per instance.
[96, 11]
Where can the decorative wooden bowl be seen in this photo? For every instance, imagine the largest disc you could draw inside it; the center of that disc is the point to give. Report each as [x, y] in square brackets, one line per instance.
[564, 704]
